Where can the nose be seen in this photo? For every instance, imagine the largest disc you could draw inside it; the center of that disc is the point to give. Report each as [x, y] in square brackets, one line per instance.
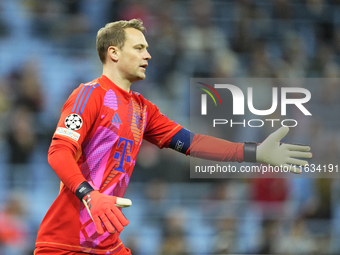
[147, 55]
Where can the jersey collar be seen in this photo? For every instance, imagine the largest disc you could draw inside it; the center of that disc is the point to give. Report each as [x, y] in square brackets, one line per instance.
[108, 84]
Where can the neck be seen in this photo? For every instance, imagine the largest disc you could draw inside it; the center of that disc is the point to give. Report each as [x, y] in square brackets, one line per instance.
[117, 79]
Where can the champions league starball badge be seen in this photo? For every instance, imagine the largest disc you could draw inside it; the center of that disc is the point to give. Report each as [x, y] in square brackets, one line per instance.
[73, 122]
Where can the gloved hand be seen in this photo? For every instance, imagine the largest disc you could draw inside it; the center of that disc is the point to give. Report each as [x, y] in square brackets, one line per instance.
[103, 209]
[272, 152]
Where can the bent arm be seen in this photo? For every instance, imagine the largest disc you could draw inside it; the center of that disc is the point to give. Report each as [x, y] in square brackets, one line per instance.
[61, 157]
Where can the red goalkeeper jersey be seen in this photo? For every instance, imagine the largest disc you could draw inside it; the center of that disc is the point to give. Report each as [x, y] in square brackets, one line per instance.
[107, 125]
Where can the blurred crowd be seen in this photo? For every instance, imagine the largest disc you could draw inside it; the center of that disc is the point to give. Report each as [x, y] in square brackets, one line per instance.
[47, 48]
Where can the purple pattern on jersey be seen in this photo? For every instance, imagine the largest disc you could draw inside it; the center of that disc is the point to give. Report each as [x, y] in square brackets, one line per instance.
[94, 238]
[110, 100]
[96, 154]
[118, 189]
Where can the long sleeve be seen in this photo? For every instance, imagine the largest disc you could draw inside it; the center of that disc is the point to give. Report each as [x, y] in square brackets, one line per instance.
[61, 157]
[208, 147]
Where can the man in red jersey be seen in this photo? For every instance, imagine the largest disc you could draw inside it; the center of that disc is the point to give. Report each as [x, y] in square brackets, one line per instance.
[95, 147]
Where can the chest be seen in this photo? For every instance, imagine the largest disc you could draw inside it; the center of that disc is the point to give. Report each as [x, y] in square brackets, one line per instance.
[126, 119]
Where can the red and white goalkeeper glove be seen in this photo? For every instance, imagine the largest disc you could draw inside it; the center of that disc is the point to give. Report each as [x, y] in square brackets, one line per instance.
[103, 209]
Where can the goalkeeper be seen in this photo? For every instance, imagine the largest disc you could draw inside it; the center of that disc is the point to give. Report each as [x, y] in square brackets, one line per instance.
[97, 139]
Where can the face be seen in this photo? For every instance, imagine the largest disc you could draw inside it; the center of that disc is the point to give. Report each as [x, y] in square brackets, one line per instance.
[133, 57]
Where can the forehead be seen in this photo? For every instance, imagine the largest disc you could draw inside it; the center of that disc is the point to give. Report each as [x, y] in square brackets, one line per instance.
[134, 36]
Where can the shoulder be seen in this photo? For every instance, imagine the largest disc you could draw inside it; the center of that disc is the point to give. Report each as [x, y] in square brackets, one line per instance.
[85, 94]
[85, 90]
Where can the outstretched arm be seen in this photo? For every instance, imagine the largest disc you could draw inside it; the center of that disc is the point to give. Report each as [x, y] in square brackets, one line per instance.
[271, 151]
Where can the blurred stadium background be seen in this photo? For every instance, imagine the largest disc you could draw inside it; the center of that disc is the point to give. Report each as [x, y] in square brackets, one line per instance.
[47, 47]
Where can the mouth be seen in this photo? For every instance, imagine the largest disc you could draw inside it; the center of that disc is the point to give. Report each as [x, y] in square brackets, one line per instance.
[144, 66]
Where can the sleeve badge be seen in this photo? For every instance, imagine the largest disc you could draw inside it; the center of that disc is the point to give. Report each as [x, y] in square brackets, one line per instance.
[73, 122]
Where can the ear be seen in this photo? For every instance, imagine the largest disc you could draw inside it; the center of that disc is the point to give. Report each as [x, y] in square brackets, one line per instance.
[112, 52]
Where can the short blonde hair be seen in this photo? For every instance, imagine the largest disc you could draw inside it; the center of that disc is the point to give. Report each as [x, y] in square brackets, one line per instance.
[113, 34]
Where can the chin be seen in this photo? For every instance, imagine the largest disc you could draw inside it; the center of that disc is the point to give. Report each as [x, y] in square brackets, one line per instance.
[141, 77]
